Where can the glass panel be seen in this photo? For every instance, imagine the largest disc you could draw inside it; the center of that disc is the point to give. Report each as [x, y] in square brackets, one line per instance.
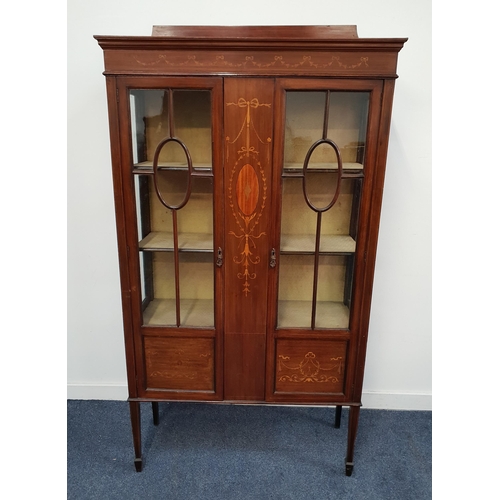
[304, 125]
[194, 220]
[331, 310]
[174, 205]
[320, 207]
[320, 187]
[192, 120]
[295, 291]
[173, 184]
[160, 306]
[347, 121]
[197, 289]
[151, 124]
[195, 250]
[298, 221]
[196, 304]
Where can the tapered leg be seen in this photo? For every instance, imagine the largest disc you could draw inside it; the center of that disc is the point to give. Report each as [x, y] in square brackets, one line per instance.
[351, 438]
[338, 415]
[156, 413]
[135, 417]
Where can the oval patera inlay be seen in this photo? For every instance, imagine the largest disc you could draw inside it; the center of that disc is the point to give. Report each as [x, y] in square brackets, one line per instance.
[247, 190]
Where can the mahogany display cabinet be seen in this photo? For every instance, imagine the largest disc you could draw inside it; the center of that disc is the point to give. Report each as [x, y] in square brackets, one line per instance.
[248, 168]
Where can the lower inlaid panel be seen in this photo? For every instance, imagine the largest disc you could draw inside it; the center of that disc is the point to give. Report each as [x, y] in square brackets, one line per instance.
[182, 364]
[310, 366]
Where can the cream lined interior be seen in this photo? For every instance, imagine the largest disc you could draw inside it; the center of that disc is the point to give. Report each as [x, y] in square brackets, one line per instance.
[297, 218]
[298, 224]
[297, 314]
[305, 114]
[192, 125]
[197, 313]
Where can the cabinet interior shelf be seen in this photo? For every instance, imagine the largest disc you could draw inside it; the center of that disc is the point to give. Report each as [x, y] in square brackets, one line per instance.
[329, 244]
[291, 313]
[199, 169]
[296, 168]
[297, 314]
[159, 241]
[194, 313]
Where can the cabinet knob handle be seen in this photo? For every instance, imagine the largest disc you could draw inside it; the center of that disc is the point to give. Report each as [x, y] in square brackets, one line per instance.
[272, 262]
[219, 257]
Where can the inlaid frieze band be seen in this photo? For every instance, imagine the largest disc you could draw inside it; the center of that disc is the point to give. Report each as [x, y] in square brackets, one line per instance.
[288, 61]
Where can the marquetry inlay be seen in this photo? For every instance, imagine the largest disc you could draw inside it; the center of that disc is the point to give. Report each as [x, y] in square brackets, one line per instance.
[250, 191]
[309, 369]
[243, 61]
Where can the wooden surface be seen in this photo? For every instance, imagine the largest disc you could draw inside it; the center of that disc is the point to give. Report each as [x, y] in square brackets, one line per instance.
[280, 51]
[248, 123]
[179, 364]
[315, 366]
[190, 32]
[325, 166]
[235, 324]
[194, 313]
[298, 243]
[162, 240]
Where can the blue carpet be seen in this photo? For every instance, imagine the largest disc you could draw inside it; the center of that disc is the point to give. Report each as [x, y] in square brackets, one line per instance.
[202, 451]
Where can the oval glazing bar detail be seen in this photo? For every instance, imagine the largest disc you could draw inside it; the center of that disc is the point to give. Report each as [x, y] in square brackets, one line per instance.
[189, 172]
[339, 177]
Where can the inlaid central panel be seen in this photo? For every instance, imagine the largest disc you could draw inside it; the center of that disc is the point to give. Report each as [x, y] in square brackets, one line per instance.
[248, 119]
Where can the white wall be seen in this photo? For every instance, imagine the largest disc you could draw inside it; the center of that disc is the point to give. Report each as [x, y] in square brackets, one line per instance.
[398, 370]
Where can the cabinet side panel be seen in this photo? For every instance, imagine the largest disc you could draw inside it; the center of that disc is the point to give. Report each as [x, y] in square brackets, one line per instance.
[121, 229]
[372, 219]
[248, 119]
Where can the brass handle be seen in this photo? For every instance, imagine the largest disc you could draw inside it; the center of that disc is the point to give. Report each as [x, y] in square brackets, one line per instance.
[272, 262]
[219, 257]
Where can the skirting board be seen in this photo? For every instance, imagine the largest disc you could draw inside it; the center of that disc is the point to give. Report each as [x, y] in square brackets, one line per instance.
[372, 400]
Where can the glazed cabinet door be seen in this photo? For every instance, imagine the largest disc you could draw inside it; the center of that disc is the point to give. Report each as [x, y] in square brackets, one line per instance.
[170, 131]
[324, 162]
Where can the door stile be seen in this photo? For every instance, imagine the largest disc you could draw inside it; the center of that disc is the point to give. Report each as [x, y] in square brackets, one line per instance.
[279, 131]
[248, 134]
[219, 240]
[121, 225]
[132, 258]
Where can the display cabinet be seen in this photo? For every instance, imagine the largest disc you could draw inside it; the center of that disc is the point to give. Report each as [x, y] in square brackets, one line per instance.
[248, 167]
